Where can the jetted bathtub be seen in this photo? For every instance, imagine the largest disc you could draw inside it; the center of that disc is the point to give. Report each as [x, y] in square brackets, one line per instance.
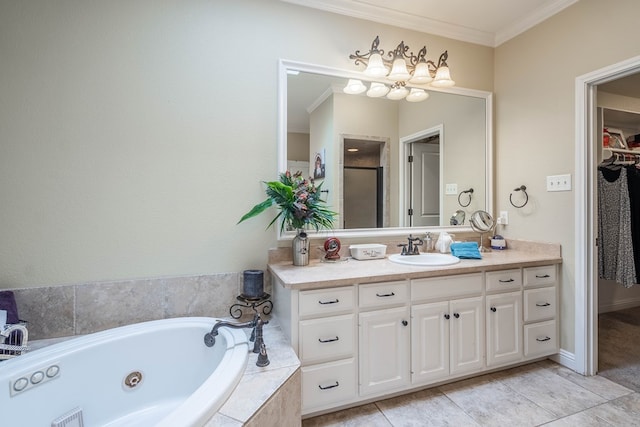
[157, 373]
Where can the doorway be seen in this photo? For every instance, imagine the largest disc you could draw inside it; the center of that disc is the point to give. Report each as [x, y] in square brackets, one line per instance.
[588, 137]
[363, 180]
[421, 177]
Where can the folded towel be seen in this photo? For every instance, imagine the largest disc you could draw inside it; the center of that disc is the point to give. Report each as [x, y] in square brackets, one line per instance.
[8, 303]
[465, 250]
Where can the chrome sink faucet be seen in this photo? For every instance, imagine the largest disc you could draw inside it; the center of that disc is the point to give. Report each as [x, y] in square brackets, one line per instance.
[411, 248]
[256, 336]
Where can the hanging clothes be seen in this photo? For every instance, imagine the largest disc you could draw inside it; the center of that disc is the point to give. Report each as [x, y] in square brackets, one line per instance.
[616, 259]
[633, 180]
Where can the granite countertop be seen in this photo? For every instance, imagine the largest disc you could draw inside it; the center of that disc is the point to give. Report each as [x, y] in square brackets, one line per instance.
[350, 271]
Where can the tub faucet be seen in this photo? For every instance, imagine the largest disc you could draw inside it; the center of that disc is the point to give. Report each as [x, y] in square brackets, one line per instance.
[256, 324]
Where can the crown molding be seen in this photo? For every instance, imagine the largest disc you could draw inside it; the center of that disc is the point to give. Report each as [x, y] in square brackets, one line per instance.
[399, 19]
[537, 16]
[431, 26]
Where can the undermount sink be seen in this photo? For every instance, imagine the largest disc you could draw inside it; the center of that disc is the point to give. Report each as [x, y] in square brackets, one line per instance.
[424, 260]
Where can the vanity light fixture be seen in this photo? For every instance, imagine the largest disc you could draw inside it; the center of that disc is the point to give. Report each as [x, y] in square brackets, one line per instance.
[401, 68]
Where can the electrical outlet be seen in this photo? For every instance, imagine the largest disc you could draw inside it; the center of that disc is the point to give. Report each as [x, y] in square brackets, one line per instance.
[451, 189]
[503, 219]
[559, 183]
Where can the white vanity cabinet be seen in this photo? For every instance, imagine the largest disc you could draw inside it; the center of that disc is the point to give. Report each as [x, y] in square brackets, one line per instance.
[540, 311]
[364, 338]
[504, 316]
[384, 333]
[327, 346]
[447, 335]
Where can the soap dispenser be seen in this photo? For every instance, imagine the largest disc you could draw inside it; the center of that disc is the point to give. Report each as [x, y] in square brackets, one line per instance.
[429, 243]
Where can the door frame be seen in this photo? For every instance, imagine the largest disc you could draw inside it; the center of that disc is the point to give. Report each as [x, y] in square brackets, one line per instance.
[585, 211]
[405, 176]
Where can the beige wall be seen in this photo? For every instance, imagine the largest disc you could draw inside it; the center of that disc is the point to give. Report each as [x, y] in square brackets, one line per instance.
[134, 135]
[534, 91]
[298, 146]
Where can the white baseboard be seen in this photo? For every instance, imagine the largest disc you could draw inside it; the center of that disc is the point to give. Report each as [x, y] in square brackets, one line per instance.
[565, 358]
[619, 305]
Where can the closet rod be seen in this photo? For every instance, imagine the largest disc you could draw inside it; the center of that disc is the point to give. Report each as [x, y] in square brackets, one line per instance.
[610, 151]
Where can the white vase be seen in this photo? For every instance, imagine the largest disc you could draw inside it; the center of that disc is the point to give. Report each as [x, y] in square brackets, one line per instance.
[300, 247]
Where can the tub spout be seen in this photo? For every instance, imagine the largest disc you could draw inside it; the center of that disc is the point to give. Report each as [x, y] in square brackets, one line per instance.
[256, 324]
[210, 337]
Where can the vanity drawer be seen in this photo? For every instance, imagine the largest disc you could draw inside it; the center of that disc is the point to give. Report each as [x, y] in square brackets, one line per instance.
[327, 338]
[446, 287]
[384, 294]
[322, 302]
[535, 276]
[539, 304]
[328, 384]
[540, 339]
[504, 280]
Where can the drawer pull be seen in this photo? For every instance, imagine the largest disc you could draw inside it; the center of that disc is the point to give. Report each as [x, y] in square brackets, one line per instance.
[456, 315]
[543, 339]
[335, 301]
[328, 340]
[329, 386]
[546, 304]
[544, 276]
[506, 281]
[493, 309]
[446, 316]
[385, 295]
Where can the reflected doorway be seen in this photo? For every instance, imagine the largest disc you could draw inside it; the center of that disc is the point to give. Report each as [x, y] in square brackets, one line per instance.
[363, 181]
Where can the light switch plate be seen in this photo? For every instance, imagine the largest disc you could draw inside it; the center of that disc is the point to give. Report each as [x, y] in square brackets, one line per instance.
[450, 189]
[559, 182]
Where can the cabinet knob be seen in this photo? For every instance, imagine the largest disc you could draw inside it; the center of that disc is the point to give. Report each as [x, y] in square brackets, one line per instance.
[446, 316]
[456, 315]
[405, 323]
[493, 309]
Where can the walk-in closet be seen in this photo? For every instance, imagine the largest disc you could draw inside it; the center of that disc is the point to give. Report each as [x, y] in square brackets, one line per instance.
[618, 235]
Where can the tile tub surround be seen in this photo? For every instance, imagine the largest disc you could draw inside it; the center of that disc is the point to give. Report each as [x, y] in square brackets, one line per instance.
[77, 309]
[323, 274]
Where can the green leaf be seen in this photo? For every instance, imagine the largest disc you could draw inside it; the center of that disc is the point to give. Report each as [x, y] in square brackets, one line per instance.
[257, 209]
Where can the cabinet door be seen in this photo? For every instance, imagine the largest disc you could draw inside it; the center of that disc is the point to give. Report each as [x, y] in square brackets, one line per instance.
[504, 326]
[429, 342]
[467, 335]
[384, 350]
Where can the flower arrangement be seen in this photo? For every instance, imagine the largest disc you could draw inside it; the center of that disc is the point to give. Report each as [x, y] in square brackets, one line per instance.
[299, 203]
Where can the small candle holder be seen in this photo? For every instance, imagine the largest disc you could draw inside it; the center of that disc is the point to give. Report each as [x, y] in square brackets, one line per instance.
[251, 302]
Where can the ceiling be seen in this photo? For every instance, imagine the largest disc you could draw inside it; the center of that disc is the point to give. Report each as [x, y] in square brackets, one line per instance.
[485, 22]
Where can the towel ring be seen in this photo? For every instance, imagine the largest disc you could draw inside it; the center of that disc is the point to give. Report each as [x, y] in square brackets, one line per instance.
[526, 197]
[470, 192]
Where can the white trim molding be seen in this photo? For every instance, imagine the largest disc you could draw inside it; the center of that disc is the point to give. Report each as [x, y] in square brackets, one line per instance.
[585, 211]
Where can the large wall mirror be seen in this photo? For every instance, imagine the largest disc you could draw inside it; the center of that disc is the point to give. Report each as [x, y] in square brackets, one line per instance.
[387, 167]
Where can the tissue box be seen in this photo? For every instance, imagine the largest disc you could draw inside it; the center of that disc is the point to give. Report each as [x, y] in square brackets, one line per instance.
[368, 251]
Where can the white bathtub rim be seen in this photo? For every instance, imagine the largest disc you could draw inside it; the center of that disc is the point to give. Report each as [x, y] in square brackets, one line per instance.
[198, 407]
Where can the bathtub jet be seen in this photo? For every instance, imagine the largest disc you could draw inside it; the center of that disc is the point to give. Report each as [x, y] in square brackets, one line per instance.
[255, 324]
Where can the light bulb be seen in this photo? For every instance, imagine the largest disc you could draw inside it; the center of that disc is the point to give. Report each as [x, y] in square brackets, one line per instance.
[377, 90]
[399, 72]
[443, 78]
[354, 87]
[376, 67]
[417, 95]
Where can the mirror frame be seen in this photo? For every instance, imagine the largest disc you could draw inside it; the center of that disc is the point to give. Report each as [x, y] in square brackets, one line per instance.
[284, 65]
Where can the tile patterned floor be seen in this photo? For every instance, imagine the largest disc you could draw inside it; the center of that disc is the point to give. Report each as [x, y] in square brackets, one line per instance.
[542, 393]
